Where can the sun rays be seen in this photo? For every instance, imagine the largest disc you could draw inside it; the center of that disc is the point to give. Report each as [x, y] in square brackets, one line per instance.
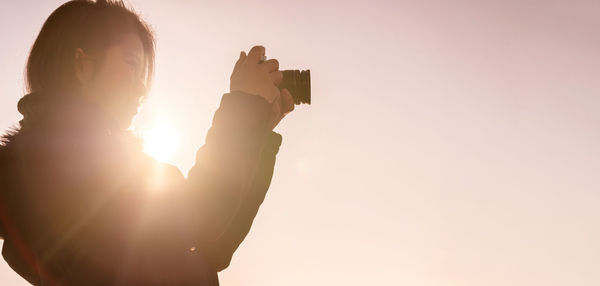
[161, 140]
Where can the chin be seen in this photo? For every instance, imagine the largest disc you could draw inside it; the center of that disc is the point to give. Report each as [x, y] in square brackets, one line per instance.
[127, 122]
[124, 121]
[127, 116]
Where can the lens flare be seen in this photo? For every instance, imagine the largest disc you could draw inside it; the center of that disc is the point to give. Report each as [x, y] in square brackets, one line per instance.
[161, 141]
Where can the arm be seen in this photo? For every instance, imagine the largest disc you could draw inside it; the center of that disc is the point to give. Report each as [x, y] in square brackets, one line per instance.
[233, 169]
[225, 164]
[232, 173]
[221, 250]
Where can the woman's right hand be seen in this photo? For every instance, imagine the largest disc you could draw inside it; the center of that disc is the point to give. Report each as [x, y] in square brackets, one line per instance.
[251, 76]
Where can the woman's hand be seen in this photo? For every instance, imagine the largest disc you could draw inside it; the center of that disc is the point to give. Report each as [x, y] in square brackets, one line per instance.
[251, 76]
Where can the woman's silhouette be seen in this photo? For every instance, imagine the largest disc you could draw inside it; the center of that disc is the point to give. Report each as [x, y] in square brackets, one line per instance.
[80, 204]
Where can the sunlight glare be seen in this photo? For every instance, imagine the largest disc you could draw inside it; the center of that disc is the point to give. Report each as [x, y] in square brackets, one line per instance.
[161, 141]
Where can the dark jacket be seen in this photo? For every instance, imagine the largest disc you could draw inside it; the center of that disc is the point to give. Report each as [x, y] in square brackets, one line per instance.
[80, 205]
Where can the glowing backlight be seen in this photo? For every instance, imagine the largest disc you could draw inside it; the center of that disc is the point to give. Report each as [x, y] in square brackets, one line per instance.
[161, 141]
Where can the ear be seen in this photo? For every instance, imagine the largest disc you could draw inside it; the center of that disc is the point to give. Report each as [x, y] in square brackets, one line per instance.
[84, 68]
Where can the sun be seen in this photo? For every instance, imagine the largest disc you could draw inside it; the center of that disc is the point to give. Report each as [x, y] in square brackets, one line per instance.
[161, 140]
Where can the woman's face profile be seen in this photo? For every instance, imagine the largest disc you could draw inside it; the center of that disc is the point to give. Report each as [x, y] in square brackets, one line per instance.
[117, 82]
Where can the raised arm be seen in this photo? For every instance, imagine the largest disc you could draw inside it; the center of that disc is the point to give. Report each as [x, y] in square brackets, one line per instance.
[227, 165]
[221, 250]
[234, 169]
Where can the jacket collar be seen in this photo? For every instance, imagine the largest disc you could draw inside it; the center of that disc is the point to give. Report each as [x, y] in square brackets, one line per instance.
[65, 110]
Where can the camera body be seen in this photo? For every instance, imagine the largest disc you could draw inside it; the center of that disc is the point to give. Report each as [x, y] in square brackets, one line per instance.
[297, 82]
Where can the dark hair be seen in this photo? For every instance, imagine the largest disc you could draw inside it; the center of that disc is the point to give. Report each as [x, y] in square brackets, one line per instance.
[91, 26]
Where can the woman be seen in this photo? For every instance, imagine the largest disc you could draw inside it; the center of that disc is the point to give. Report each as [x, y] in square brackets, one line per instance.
[81, 204]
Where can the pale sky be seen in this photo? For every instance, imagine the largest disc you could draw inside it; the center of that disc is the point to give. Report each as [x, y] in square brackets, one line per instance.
[448, 142]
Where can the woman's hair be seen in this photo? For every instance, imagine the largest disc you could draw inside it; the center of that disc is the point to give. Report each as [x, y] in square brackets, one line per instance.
[91, 26]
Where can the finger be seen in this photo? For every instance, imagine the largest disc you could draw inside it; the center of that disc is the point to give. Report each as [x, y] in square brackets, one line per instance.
[255, 54]
[287, 101]
[270, 65]
[276, 77]
[273, 94]
[238, 64]
[276, 112]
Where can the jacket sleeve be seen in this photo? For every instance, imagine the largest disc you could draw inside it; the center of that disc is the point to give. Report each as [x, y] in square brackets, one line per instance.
[231, 175]
[221, 250]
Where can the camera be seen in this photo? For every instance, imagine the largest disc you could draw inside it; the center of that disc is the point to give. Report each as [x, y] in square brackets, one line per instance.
[297, 82]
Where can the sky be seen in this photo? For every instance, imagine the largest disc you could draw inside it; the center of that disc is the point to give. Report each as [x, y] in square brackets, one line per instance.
[447, 143]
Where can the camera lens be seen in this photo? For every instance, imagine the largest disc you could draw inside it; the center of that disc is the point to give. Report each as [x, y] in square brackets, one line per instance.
[298, 84]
